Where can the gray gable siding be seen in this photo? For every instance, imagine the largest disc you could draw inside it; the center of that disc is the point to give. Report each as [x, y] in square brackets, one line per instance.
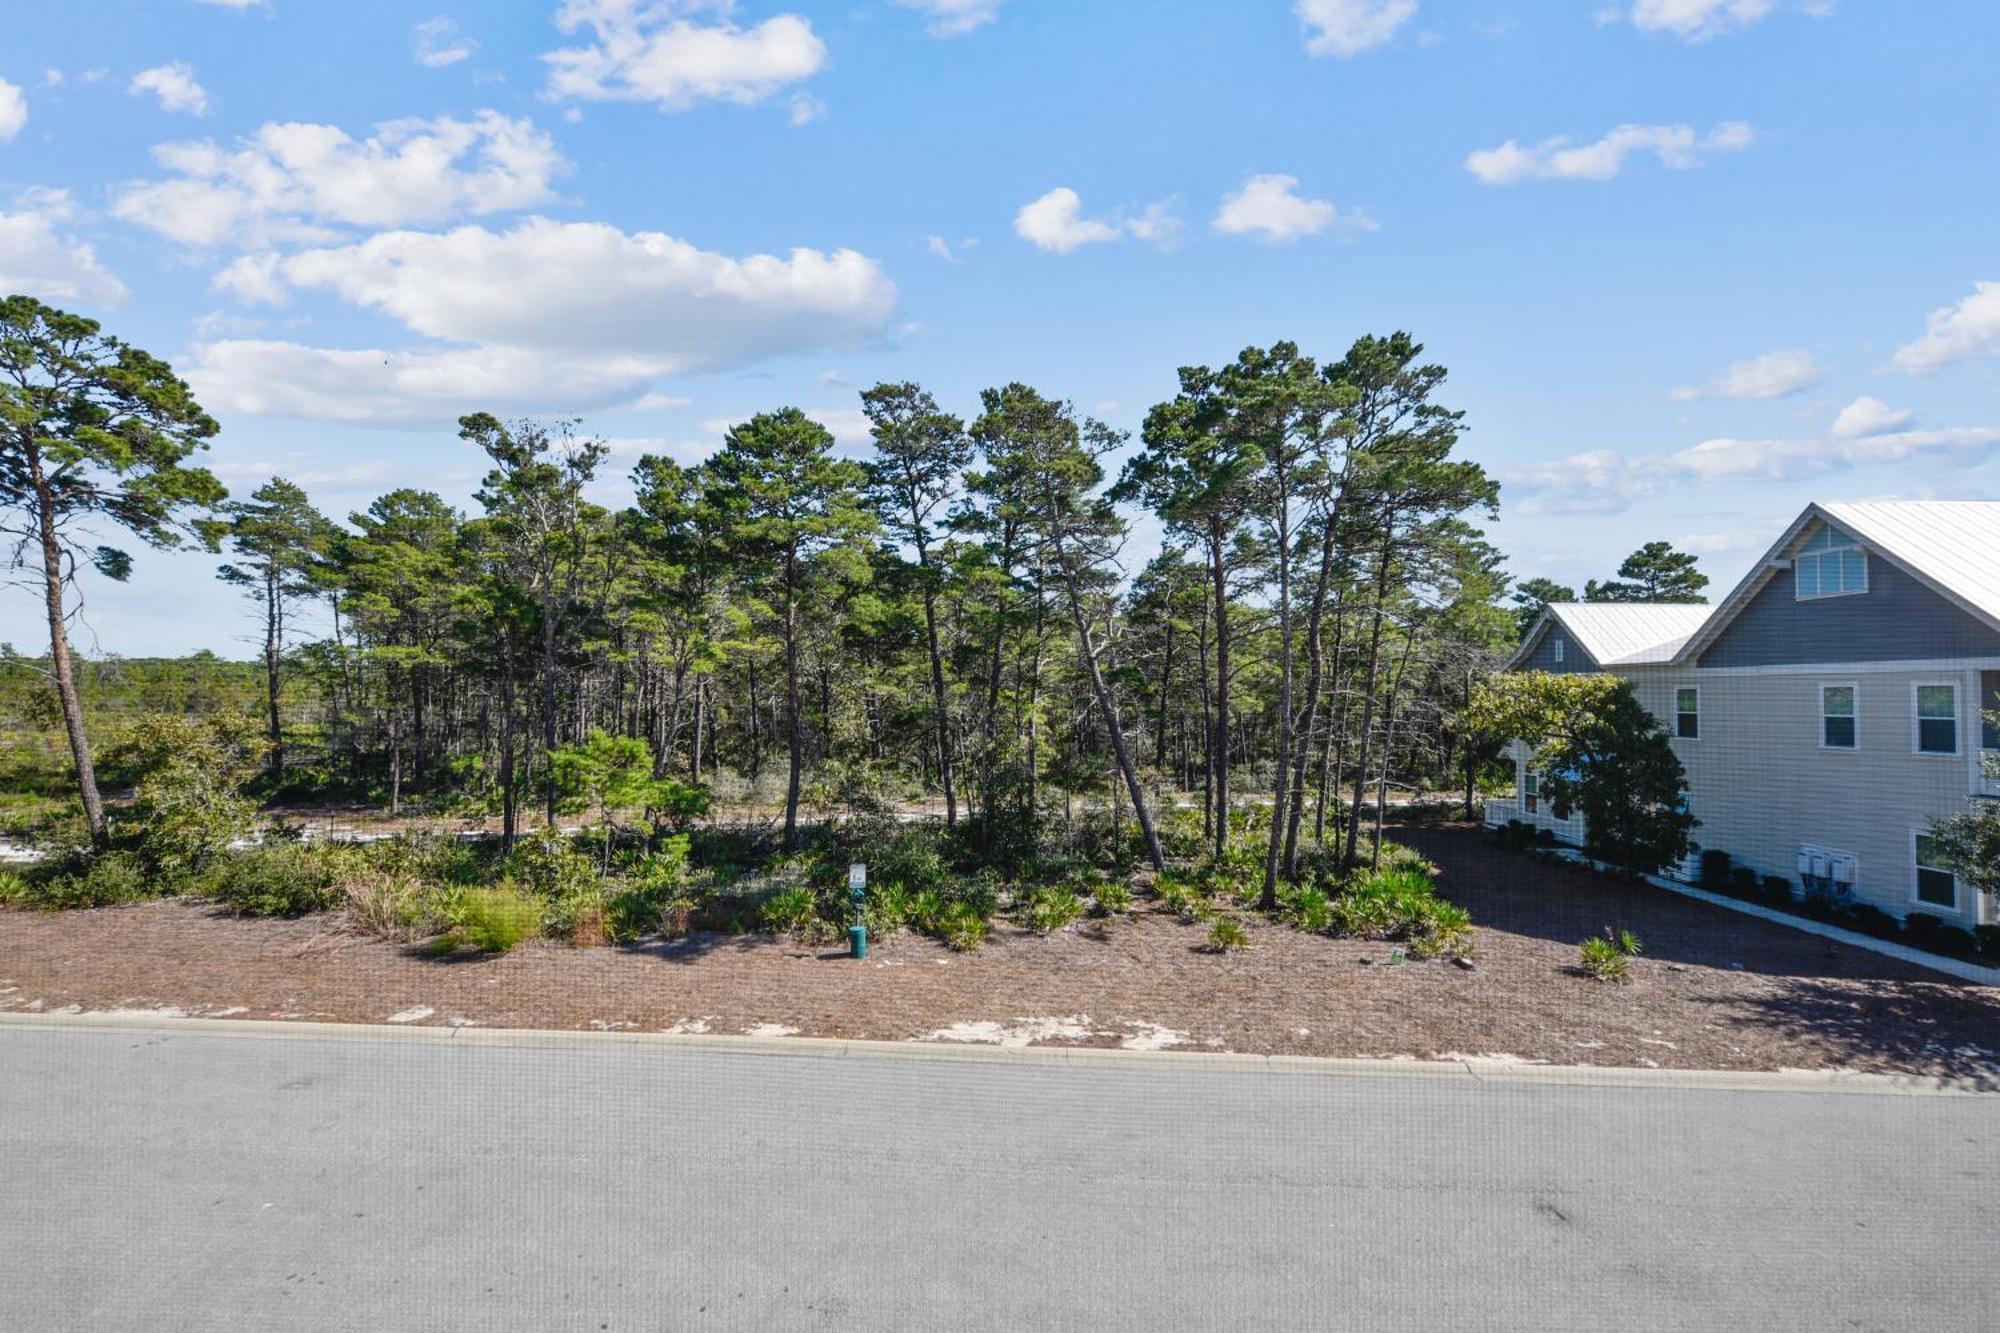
[1543, 658]
[1898, 619]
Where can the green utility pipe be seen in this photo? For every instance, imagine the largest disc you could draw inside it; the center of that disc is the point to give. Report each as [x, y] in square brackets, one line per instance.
[857, 939]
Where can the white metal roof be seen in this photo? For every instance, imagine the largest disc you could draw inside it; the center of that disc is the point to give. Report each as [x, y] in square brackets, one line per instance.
[1631, 633]
[1955, 544]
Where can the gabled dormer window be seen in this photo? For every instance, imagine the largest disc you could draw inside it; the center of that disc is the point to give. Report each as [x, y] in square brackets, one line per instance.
[1830, 564]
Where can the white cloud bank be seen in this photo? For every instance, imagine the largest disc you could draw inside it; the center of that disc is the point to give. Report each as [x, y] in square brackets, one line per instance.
[1958, 332]
[302, 182]
[1776, 374]
[1349, 27]
[1678, 147]
[654, 52]
[1055, 222]
[39, 259]
[954, 18]
[13, 110]
[1701, 20]
[546, 316]
[1867, 416]
[1270, 206]
[175, 87]
[1604, 482]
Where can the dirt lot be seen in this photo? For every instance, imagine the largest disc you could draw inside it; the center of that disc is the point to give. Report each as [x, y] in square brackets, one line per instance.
[1715, 989]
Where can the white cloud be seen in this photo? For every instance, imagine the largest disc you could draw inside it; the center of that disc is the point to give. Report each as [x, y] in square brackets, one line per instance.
[1870, 416]
[440, 43]
[235, 4]
[1561, 158]
[1696, 20]
[953, 18]
[1955, 333]
[1773, 375]
[38, 258]
[174, 84]
[652, 52]
[1601, 481]
[299, 182]
[847, 425]
[13, 110]
[1349, 27]
[546, 316]
[1270, 205]
[1055, 222]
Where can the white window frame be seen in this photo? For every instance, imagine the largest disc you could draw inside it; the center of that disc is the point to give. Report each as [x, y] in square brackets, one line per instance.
[1821, 715]
[1678, 711]
[1925, 904]
[1802, 555]
[1557, 645]
[1957, 749]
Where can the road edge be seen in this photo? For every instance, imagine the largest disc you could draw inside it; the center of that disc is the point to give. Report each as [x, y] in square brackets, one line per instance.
[1077, 1057]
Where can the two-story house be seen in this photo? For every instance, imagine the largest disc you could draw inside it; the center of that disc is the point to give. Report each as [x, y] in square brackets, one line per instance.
[1828, 709]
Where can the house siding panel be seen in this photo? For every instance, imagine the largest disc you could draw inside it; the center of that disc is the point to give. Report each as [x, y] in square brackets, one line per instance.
[1897, 620]
[1761, 784]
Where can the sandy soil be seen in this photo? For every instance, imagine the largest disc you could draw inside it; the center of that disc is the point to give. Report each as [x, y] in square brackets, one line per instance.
[1715, 989]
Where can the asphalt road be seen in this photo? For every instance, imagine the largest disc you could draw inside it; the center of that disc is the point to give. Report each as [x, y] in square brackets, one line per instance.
[167, 1181]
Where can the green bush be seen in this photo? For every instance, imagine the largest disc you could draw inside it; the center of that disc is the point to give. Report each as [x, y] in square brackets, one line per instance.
[1402, 905]
[495, 920]
[1778, 892]
[1603, 960]
[106, 880]
[1113, 897]
[1049, 910]
[792, 911]
[546, 863]
[282, 879]
[1307, 909]
[1227, 935]
[395, 904]
[1956, 941]
[14, 891]
[1183, 897]
[889, 908]
[1714, 871]
[961, 927]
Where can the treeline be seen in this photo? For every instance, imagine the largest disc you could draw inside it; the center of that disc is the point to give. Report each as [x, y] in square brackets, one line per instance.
[945, 619]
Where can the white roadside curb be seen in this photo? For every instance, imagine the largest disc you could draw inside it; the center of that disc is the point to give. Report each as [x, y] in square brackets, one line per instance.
[1494, 1071]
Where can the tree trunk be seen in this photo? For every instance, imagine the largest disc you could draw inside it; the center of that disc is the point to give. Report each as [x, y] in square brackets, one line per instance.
[794, 731]
[1219, 744]
[938, 698]
[1109, 709]
[509, 816]
[1368, 690]
[274, 631]
[60, 662]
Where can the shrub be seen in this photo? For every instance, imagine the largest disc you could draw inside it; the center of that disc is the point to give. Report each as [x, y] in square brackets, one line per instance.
[1402, 904]
[1113, 897]
[1989, 941]
[1778, 892]
[396, 905]
[911, 858]
[1956, 941]
[1441, 928]
[14, 890]
[1872, 920]
[961, 927]
[281, 879]
[1049, 910]
[889, 908]
[495, 920]
[1307, 909]
[1226, 935]
[546, 863]
[792, 911]
[1603, 960]
[1922, 928]
[1743, 883]
[1714, 870]
[106, 880]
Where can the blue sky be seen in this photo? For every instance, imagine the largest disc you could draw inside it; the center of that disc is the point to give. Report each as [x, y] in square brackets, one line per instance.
[1691, 262]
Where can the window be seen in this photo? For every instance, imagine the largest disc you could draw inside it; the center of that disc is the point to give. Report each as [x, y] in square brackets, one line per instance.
[1829, 565]
[1989, 703]
[1558, 646]
[1937, 719]
[1936, 885]
[1687, 712]
[1531, 791]
[1838, 722]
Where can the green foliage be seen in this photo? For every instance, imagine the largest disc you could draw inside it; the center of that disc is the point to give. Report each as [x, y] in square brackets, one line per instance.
[889, 908]
[282, 879]
[1227, 935]
[395, 904]
[1599, 752]
[107, 879]
[1113, 897]
[495, 920]
[1970, 844]
[545, 863]
[1307, 909]
[961, 926]
[1402, 905]
[14, 890]
[1184, 897]
[794, 911]
[187, 805]
[1656, 572]
[1048, 910]
[1603, 960]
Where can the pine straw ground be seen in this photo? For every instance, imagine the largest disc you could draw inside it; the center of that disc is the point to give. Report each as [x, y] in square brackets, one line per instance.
[1714, 990]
